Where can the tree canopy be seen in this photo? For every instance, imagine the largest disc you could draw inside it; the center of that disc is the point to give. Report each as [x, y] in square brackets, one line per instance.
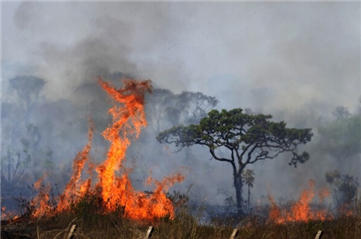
[166, 109]
[27, 87]
[248, 137]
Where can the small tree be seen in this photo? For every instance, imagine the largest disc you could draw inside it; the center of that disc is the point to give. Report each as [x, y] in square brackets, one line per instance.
[16, 162]
[248, 179]
[248, 139]
[344, 188]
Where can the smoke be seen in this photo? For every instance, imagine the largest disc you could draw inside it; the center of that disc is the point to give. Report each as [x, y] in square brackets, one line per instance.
[296, 61]
[297, 51]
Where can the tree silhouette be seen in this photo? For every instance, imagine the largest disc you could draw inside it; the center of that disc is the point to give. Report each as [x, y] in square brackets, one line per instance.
[248, 139]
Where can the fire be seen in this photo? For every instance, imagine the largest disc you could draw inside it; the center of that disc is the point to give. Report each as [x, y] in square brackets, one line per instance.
[7, 215]
[72, 188]
[300, 211]
[114, 186]
[41, 201]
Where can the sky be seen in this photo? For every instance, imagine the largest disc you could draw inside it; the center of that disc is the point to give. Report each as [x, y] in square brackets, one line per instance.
[276, 56]
[257, 55]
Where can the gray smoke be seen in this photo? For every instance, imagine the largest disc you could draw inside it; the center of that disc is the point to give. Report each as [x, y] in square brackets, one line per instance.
[296, 61]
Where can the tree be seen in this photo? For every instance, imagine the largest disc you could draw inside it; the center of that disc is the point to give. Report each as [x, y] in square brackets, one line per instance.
[28, 89]
[341, 113]
[341, 138]
[247, 138]
[344, 188]
[192, 106]
[16, 162]
[157, 102]
[248, 179]
[166, 109]
[22, 138]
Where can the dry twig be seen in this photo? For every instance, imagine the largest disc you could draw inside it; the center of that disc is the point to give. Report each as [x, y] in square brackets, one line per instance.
[234, 233]
[149, 232]
[319, 234]
[71, 231]
[66, 229]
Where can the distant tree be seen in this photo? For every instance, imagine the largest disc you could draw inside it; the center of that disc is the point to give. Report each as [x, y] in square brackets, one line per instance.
[192, 107]
[156, 106]
[166, 109]
[248, 139]
[28, 89]
[15, 162]
[21, 141]
[248, 179]
[341, 137]
[341, 113]
[344, 188]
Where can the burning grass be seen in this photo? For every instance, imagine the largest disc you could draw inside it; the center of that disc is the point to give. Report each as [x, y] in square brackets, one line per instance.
[91, 222]
[300, 211]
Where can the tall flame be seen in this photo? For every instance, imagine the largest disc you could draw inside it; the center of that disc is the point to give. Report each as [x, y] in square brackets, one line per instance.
[117, 190]
[114, 186]
[128, 119]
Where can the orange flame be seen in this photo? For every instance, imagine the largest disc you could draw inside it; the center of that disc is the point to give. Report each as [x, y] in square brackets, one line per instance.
[72, 189]
[131, 114]
[7, 216]
[116, 191]
[41, 201]
[301, 210]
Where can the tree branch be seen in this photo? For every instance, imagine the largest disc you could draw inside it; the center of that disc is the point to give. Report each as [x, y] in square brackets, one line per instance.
[217, 158]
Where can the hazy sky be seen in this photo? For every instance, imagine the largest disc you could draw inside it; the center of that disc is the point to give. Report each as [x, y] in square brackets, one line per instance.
[269, 56]
[256, 55]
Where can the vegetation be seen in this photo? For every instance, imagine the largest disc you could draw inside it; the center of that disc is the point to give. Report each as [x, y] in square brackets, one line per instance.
[166, 109]
[248, 139]
[248, 179]
[341, 137]
[344, 188]
[92, 223]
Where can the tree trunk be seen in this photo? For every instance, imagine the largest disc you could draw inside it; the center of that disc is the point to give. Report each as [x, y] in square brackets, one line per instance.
[239, 199]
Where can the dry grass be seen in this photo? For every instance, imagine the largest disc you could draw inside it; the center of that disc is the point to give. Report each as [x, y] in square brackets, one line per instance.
[91, 223]
[184, 226]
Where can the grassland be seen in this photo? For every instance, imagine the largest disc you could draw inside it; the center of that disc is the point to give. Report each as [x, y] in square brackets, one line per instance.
[95, 225]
